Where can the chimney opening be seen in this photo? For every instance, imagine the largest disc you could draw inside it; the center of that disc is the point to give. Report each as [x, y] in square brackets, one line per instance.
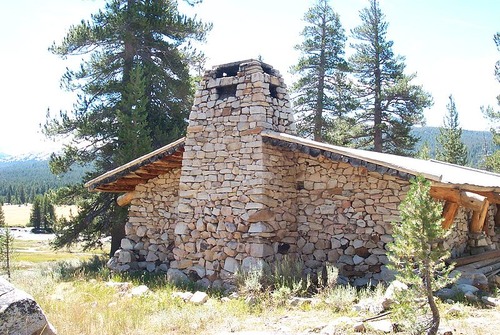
[227, 71]
[267, 69]
[224, 92]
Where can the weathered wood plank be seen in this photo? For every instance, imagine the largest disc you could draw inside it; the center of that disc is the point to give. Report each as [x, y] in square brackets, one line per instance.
[449, 212]
[478, 217]
[475, 258]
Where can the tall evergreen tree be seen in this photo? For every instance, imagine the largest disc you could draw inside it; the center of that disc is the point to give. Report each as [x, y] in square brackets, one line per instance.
[390, 103]
[493, 161]
[424, 152]
[322, 92]
[451, 149]
[36, 213]
[134, 94]
[6, 245]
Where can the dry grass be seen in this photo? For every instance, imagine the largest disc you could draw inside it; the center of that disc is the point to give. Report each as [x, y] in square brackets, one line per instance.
[77, 300]
[19, 215]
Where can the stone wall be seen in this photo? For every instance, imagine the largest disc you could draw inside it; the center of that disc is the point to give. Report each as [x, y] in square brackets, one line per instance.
[151, 225]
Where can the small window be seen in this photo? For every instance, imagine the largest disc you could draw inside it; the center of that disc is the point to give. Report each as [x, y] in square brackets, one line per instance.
[273, 91]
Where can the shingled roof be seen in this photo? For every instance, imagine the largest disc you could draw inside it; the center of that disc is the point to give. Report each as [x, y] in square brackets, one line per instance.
[445, 174]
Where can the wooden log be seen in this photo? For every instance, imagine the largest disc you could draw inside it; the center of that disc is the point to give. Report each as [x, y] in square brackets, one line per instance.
[478, 217]
[475, 258]
[465, 199]
[479, 264]
[493, 197]
[489, 269]
[125, 199]
[449, 212]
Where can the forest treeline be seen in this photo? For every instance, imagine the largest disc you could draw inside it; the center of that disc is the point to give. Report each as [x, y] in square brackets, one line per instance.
[22, 181]
[479, 144]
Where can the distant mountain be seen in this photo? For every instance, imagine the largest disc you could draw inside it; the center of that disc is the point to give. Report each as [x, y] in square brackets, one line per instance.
[32, 156]
[479, 143]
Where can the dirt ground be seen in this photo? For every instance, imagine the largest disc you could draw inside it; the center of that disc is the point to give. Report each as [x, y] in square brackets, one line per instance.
[479, 322]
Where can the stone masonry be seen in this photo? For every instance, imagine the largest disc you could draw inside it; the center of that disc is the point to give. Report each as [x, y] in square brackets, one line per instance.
[239, 199]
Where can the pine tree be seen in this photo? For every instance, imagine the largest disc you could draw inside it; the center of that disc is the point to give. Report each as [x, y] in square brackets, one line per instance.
[6, 245]
[134, 94]
[451, 148]
[493, 161]
[390, 104]
[36, 214]
[322, 98]
[424, 152]
[48, 214]
[418, 257]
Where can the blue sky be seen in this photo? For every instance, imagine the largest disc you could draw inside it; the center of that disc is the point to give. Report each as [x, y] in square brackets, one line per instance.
[448, 43]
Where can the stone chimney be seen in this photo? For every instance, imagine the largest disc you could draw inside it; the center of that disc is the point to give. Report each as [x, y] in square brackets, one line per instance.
[222, 183]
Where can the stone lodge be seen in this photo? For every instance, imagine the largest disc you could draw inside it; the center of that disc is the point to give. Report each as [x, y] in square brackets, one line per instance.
[241, 189]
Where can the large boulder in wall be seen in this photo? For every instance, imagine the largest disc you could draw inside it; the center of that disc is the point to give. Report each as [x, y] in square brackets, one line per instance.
[20, 314]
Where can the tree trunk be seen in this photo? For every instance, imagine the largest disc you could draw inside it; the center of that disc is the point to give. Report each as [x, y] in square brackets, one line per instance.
[430, 299]
[117, 234]
[377, 104]
[318, 117]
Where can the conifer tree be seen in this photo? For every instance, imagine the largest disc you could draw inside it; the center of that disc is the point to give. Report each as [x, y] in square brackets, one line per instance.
[390, 103]
[134, 95]
[424, 152]
[451, 149]
[418, 257]
[36, 214]
[322, 93]
[493, 160]
[6, 245]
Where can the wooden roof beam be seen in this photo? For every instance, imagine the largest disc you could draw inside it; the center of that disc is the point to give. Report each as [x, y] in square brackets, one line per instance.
[125, 199]
[465, 199]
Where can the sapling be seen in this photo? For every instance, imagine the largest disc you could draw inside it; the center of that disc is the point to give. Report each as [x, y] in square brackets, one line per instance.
[418, 256]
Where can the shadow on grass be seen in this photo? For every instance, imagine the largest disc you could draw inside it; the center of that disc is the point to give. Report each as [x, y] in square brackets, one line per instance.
[95, 268]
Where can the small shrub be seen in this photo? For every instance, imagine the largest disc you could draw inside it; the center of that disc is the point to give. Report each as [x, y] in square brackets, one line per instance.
[341, 298]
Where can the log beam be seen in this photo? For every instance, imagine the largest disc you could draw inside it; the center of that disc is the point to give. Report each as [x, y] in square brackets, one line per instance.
[125, 199]
[449, 212]
[493, 197]
[478, 217]
[465, 199]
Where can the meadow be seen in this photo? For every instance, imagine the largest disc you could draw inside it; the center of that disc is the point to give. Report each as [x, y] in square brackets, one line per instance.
[19, 215]
[81, 296]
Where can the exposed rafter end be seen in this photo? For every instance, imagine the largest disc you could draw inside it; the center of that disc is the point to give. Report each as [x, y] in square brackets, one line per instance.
[125, 199]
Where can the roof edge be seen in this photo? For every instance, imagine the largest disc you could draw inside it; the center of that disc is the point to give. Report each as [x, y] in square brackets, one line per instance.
[132, 165]
[351, 153]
